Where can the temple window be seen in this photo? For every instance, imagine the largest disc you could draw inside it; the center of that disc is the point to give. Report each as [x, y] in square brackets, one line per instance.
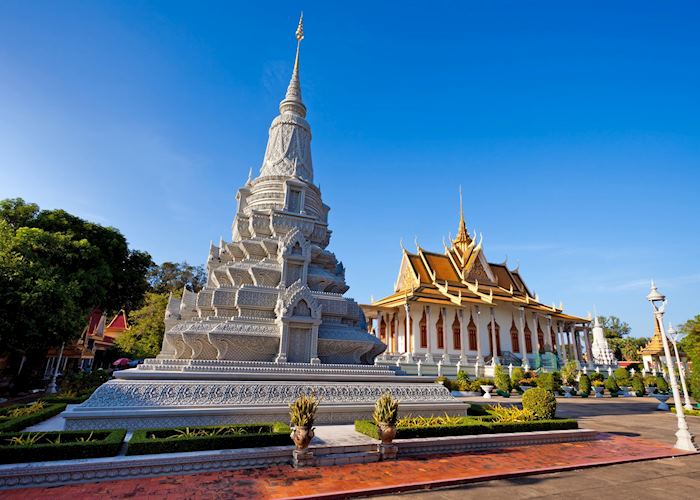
[294, 200]
[528, 339]
[440, 334]
[540, 338]
[456, 337]
[302, 309]
[423, 332]
[514, 340]
[471, 330]
[382, 331]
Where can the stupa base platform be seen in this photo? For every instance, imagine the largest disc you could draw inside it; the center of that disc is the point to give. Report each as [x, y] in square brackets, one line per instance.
[217, 393]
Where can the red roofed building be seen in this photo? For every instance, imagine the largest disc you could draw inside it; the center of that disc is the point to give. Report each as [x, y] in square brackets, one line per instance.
[88, 352]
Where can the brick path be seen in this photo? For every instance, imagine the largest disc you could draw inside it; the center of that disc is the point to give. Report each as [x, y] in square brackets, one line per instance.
[366, 479]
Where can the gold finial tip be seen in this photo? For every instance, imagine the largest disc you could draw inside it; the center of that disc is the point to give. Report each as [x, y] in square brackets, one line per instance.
[300, 27]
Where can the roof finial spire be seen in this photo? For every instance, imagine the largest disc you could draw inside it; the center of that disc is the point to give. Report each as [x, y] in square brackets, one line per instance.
[462, 240]
[292, 100]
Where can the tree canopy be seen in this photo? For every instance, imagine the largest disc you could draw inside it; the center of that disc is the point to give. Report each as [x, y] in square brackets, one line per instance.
[55, 268]
[691, 346]
[174, 276]
[617, 333]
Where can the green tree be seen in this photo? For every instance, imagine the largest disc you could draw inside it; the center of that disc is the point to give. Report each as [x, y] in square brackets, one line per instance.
[145, 336]
[173, 277]
[54, 269]
[691, 346]
[616, 332]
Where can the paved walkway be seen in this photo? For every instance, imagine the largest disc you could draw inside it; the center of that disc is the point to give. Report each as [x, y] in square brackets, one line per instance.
[632, 423]
[363, 479]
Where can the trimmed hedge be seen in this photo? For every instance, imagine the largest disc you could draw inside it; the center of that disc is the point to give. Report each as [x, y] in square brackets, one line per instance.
[693, 412]
[108, 445]
[274, 434]
[469, 427]
[19, 423]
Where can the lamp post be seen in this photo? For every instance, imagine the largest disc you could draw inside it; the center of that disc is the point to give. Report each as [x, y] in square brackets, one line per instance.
[675, 337]
[684, 438]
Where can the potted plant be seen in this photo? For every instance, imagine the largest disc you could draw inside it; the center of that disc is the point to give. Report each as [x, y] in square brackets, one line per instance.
[650, 385]
[302, 413]
[598, 387]
[568, 375]
[662, 393]
[502, 382]
[386, 412]
[612, 387]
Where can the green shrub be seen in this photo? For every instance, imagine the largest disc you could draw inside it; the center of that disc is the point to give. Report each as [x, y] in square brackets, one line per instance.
[468, 426]
[622, 376]
[183, 439]
[511, 414]
[24, 418]
[463, 376]
[584, 385]
[650, 381]
[70, 400]
[517, 375]
[661, 385]
[693, 412]
[549, 382]
[541, 403]
[597, 376]
[638, 385]
[476, 409]
[612, 387]
[444, 381]
[502, 379]
[569, 372]
[83, 383]
[64, 445]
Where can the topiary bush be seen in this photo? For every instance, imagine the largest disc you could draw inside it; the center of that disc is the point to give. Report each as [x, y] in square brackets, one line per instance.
[502, 379]
[516, 376]
[597, 376]
[541, 403]
[584, 385]
[612, 387]
[549, 382]
[638, 385]
[661, 385]
[622, 376]
[650, 381]
[463, 376]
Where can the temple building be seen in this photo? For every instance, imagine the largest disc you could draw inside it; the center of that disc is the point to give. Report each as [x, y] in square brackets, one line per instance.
[653, 356]
[89, 351]
[460, 311]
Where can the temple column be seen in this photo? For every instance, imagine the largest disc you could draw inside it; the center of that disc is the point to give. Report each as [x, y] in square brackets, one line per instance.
[410, 334]
[395, 331]
[462, 337]
[562, 344]
[479, 351]
[521, 338]
[587, 340]
[494, 341]
[314, 345]
[535, 336]
[431, 334]
[446, 332]
[572, 336]
[549, 333]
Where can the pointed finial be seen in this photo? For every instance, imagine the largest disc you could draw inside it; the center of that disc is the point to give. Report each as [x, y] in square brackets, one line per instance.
[250, 176]
[292, 101]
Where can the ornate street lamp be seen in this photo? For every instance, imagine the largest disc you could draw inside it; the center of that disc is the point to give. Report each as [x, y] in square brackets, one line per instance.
[684, 438]
[675, 337]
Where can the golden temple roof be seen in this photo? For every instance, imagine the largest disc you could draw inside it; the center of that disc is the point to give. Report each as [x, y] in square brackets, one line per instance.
[462, 276]
[656, 344]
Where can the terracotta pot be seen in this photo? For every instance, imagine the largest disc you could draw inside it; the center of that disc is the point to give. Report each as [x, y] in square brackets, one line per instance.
[302, 436]
[387, 432]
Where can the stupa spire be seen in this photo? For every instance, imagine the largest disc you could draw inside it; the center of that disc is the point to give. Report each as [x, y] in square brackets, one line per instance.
[292, 102]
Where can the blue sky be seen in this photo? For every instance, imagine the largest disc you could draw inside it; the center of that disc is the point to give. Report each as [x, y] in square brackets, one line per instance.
[572, 127]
